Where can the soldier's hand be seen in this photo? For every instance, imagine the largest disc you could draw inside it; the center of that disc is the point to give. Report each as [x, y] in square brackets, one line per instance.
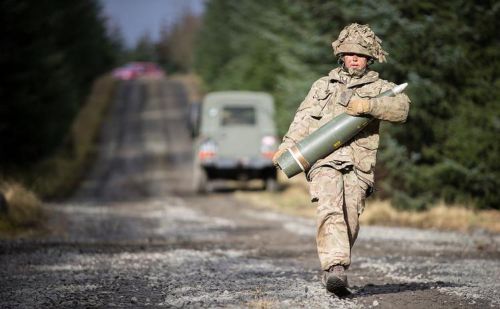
[358, 107]
[277, 155]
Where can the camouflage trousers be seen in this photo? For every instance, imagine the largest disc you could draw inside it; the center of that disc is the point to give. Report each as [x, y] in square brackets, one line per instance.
[340, 198]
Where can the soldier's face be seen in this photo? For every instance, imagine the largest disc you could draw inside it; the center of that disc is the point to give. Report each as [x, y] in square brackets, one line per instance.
[355, 61]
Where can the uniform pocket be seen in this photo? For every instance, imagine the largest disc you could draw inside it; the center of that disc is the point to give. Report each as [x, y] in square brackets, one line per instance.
[366, 93]
[369, 142]
[364, 159]
[322, 93]
[362, 195]
[345, 97]
[365, 151]
[314, 184]
[316, 111]
[368, 138]
[321, 107]
[361, 204]
[314, 123]
[314, 190]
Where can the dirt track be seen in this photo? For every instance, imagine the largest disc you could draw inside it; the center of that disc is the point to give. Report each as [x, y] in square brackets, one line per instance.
[135, 236]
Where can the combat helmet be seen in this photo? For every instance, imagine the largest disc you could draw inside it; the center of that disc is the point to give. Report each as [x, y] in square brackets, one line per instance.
[359, 39]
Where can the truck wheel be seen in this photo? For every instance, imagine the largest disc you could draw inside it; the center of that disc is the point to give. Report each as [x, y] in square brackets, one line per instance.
[200, 181]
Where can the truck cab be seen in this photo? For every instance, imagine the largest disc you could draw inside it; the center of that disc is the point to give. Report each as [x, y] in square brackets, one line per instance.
[237, 139]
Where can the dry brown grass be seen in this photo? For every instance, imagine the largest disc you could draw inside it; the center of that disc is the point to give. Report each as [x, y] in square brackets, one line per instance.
[24, 209]
[58, 175]
[441, 216]
[294, 199]
[193, 86]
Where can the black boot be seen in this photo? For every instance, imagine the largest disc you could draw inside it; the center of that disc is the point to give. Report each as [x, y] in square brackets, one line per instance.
[336, 281]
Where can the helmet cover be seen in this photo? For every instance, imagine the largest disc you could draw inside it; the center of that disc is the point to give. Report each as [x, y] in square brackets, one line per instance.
[359, 39]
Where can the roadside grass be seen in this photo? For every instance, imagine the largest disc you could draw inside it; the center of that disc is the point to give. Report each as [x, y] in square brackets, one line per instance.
[192, 84]
[440, 216]
[58, 175]
[21, 209]
[294, 200]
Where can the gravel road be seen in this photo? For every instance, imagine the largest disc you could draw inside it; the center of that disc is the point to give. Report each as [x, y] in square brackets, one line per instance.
[135, 236]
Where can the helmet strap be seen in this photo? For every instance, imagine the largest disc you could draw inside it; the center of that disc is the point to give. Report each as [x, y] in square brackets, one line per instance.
[340, 60]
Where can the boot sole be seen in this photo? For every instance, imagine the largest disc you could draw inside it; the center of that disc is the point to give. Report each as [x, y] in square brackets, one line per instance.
[336, 286]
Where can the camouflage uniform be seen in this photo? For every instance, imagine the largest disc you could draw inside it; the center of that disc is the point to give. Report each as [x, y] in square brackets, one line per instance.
[340, 182]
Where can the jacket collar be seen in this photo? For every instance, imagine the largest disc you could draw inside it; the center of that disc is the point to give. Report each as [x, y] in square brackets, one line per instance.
[341, 76]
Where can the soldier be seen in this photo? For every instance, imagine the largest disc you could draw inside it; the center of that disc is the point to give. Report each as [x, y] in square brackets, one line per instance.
[340, 182]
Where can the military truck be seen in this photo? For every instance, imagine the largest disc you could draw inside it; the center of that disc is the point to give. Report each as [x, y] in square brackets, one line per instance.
[237, 139]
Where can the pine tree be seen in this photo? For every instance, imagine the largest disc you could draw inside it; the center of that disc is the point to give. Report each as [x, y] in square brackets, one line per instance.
[51, 52]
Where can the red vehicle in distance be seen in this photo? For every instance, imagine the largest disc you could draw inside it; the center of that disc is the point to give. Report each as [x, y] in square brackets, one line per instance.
[134, 70]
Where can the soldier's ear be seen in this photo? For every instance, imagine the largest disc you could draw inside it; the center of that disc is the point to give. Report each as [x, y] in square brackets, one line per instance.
[370, 61]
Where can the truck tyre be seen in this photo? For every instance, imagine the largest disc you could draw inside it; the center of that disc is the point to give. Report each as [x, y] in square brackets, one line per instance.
[200, 181]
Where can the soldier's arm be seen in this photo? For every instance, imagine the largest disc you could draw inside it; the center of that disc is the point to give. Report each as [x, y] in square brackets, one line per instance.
[393, 109]
[299, 127]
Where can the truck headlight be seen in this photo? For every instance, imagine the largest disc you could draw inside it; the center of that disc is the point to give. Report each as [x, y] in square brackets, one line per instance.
[207, 150]
[268, 146]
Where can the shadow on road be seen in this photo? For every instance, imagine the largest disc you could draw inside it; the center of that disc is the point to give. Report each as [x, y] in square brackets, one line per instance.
[390, 288]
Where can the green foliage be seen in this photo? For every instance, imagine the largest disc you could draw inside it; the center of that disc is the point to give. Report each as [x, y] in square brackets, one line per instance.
[174, 49]
[448, 52]
[256, 45]
[451, 63]
[144, 50]
[51, 52]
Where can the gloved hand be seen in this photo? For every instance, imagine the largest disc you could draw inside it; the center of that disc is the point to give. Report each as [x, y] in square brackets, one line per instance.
[277, 155]
[358, 106]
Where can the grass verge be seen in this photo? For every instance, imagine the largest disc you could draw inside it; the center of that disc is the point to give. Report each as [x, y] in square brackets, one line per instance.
[294, 200]
[20, 209]
[440, 216]
[58, 175]
[192, 84]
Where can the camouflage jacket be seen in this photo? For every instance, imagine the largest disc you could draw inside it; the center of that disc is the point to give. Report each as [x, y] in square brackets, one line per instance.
[328, 98]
